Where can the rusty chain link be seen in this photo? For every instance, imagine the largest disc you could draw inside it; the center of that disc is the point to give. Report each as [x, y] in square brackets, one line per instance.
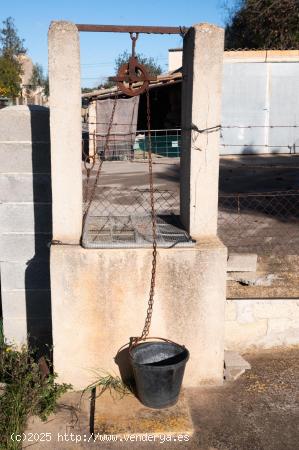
[88, 170]
[149, 312]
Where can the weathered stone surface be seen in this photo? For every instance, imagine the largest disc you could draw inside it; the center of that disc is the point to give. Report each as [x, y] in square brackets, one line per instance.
[15, 329]
[32, 274]
[22, 303]
[230, 310]
[25, 217]
[24, 157]
[26, 313]
[276, 309]
[240, 336]
[201, 109]
[235, 360]
[253, 278]
[245, 311]
[24, 188]
[124, 417]
[23, 247]
[283, 327]
[277, 263]
[242, 262]
[262, 324]
[108, 290]
[286, 285]
[24, 124]
[25, 223]
[66, 137]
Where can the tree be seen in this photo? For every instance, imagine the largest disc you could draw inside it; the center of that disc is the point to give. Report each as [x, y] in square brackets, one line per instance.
[150, 64]
[10, 79]
[38, 79]
[262, 24]
[10, 43]
[86, 90]
[11, 46]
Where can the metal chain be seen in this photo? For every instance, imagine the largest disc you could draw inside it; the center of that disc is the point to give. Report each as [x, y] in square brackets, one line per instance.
[88, 159]
[88, 170]
[149, 313]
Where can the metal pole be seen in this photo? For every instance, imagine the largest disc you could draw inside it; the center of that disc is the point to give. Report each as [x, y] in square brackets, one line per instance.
[131, 29]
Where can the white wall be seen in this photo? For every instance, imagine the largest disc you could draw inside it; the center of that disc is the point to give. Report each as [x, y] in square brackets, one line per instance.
[260, 90]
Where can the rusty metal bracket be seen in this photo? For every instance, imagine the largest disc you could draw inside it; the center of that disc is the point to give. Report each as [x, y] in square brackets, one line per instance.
[132, 29]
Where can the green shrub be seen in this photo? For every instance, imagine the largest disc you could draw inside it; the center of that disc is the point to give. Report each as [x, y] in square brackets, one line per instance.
[27, 392]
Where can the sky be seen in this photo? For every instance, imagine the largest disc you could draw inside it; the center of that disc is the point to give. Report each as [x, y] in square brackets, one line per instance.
[99, 50]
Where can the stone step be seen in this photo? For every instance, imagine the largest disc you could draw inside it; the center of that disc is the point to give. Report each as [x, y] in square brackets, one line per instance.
[125, 417]
[234, 365]
[242, 262]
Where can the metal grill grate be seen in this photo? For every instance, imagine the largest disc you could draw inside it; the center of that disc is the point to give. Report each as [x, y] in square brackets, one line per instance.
[133, 232]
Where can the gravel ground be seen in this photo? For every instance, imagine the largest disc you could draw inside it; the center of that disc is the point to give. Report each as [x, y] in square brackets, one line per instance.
[259, 411]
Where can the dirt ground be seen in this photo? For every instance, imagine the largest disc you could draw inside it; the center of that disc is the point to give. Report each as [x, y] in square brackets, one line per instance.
[259, 411]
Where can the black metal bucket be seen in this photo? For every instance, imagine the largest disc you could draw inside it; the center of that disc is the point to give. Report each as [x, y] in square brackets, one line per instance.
[158, 371]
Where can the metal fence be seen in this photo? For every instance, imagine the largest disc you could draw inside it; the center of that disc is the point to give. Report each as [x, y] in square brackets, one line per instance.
[260, 222]
[110, 201]
[264, 222]
[167, 142]
[124, 146]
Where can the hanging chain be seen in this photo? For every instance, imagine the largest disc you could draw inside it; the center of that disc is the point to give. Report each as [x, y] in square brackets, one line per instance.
[88, 170]
[149, 313]
[89, 159]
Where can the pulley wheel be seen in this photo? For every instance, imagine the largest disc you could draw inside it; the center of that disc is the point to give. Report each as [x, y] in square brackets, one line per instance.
[140, 76]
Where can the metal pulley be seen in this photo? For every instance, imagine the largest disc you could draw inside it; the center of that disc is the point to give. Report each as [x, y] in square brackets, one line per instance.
[132, 77]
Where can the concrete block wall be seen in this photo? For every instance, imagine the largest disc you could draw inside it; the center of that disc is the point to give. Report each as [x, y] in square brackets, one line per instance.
[25, 223]
[261, 323]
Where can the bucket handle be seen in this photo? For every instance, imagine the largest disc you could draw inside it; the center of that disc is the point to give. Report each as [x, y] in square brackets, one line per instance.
[134, 341]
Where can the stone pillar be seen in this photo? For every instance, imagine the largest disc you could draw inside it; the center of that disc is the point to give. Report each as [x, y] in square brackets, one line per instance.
[66, 133]
[201, 115]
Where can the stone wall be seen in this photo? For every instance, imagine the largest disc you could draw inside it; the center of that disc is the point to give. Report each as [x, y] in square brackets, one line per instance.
[99, 300]
[261, 323]
[25, 223]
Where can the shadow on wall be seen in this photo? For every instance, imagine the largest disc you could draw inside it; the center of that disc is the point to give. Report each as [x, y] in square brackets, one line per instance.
[37, 275]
